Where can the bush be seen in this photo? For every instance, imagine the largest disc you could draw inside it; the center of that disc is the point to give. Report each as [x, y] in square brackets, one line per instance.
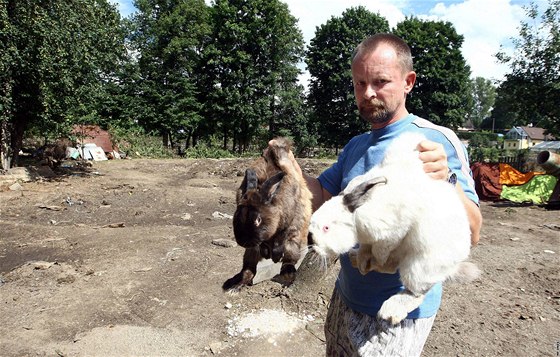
[135, 142]
[204, 150]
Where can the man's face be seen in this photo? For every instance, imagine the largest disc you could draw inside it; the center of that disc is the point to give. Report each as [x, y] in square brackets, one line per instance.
[381, 86]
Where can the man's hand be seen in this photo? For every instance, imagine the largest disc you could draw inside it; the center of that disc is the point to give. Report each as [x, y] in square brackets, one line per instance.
[291, 156]
[434, 158]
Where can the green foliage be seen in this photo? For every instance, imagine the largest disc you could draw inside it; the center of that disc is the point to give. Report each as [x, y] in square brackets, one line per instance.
[59, 55]
[251, 71]
[137, 143]
[225, 77]
[478, 138]
[207, 150]
[531, 92]
[487, 147]
[484, 154]
[168, 36]
[329, 56]
[441, 93]
[484, 97]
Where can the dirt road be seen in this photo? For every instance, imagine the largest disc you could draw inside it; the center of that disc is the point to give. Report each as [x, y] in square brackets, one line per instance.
[128, 257]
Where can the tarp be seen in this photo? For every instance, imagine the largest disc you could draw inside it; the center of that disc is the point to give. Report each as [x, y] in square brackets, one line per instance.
[487, 180]
[495, 182]
[93, 134]
[537, 190]
[510, 176]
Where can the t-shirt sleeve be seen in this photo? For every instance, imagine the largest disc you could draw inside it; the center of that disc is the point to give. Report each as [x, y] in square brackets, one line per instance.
[457, 161]
[331, 178]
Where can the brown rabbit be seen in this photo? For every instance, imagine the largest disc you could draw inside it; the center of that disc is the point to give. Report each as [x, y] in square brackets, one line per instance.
[272, 215]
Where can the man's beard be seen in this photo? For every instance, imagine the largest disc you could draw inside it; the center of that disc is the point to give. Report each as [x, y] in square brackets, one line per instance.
[374, 111]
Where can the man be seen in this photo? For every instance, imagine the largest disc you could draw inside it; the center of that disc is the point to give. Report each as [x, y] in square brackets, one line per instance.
[383, 75]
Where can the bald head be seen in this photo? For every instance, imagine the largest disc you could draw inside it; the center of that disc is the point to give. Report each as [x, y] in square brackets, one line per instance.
[402, 50]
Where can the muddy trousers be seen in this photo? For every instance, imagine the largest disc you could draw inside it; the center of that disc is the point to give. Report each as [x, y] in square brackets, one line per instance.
[350, 333]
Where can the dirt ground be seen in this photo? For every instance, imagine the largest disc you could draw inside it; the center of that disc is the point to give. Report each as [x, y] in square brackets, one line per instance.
[127, 258]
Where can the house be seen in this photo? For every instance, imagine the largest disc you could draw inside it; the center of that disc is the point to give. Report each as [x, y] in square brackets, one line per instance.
[524, 137]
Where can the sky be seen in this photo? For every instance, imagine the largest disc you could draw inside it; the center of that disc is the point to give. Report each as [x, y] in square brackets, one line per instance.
[485, 24]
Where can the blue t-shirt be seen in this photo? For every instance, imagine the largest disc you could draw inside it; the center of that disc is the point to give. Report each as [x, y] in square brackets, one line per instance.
[366, 293]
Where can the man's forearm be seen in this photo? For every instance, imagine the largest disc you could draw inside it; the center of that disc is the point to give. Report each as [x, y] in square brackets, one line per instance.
[473, 213]
[319, 194]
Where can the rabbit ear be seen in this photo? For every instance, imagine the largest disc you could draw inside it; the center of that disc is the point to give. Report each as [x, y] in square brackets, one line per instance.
[357, 196]
[270, 186]
[251, 180]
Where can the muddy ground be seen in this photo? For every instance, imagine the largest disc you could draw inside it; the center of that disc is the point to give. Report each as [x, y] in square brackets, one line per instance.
[127, 258]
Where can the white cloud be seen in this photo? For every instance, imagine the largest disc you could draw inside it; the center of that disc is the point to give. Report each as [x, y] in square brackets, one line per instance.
[484, 24]
[314, 13]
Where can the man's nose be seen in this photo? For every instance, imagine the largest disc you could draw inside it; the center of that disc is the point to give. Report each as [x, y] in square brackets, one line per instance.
[370, 92]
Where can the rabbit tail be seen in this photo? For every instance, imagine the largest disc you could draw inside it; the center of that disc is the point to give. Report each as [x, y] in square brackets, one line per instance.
[465, 272]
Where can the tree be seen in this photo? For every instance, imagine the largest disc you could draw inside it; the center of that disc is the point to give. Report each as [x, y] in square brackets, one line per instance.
[441, 93]
[503, 116]
[484, 97]
[532, 89]
[55, 57]
[168, 36]
[328, 59]
[251, 69]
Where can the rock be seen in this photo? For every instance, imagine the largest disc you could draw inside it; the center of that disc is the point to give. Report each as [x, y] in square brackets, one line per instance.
[19, 174]
[16, 187]
[215, 347]
[221, 215]
[227, 243]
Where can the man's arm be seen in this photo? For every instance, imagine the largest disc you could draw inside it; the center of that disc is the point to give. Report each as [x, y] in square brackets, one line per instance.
[320, 195]
[473, 213]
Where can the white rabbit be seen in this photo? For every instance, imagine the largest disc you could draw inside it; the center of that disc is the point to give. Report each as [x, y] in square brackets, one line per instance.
[403, 220]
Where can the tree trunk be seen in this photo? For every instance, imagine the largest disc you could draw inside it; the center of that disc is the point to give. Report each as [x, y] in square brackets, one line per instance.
[16, 137]
[5, 145]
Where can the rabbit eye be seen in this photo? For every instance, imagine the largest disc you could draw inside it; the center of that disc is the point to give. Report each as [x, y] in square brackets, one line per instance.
[325, 229]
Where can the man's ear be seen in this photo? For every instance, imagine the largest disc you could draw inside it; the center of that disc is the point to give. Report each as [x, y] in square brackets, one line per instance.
[410, 79]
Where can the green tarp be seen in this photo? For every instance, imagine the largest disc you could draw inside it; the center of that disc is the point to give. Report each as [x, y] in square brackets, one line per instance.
[537, 190]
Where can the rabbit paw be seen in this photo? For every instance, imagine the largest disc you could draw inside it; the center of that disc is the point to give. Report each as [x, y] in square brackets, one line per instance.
[392, 312]
[353, 255]
[362, 259]
[396, 308]
[234, 284]
[287, 275]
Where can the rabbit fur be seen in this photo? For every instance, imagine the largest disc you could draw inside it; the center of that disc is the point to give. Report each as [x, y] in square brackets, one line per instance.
[272, 216]
[403, 220]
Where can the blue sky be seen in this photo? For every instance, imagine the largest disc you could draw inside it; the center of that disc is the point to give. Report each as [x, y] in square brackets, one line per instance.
[485, 24]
